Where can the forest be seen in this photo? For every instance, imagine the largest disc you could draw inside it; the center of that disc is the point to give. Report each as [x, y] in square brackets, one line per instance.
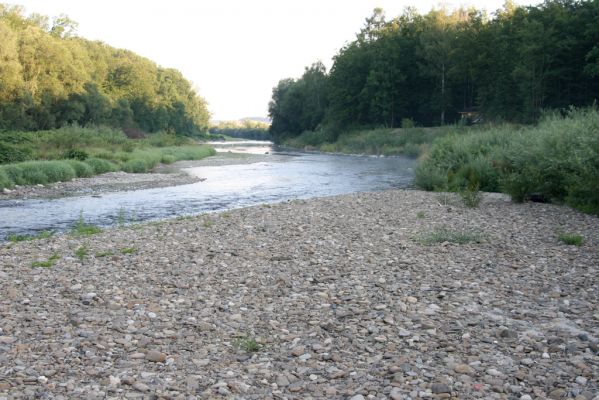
[50, 78]
[447, 67]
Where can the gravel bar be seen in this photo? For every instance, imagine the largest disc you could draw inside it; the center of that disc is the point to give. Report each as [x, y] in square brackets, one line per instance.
[344, 297]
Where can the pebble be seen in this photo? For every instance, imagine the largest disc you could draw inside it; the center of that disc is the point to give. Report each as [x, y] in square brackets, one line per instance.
[155, 356]
[325, 298]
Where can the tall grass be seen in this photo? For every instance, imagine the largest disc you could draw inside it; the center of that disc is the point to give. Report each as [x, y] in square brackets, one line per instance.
[411, 142]
[557, 160]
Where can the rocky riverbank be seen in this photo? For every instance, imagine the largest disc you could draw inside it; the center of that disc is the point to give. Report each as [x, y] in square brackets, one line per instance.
[350, 297]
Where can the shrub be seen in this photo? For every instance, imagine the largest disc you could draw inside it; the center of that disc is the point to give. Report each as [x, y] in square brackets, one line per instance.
[14, 173]
[11, 154]
[167, 159]
[5, 182]
[57, 171]
[82, 170]
[76, 154]
[557, 160]
[135, 166]
[100, 166]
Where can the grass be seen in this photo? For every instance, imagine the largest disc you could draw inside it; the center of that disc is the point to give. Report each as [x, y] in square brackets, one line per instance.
[14, 238]
[42, 157]
[81, 228]
[411, 142]
[49, 263]
[106, 253]
[445, 234]
[471, 196]
[247, 344]
[82, 252]
[572, 239]
[420, 215]
[557, 160]
[128, 250]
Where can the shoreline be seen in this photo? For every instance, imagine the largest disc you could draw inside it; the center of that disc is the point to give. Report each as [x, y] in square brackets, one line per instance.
[340, 298]
[163, 176]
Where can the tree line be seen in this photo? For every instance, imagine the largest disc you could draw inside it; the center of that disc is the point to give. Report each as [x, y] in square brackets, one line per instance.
[431, 69]
[49, 78]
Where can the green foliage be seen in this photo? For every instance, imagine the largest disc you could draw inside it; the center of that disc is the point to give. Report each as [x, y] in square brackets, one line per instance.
[471, 196]
[409, 142]
[128, 250]
[82, 170]
[247, 344]
[557, 160]
[51, 79]
[445, 234]
[245, 129]
[458, 66]
[82, 252]
[81, 228]
[100, 166]
[135, 166]
[49, 263]
[23, 238]
[76, 154]
[105, 253]
[572, 239]
[5, 181]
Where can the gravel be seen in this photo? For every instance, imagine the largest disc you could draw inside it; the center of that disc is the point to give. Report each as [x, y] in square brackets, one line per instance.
[327, 298]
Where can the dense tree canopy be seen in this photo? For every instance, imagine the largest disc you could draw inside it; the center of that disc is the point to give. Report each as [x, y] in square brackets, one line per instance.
[428, 68]
[49, 78]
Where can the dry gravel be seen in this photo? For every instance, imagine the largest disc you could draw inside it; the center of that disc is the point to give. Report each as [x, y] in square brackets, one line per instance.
[337, 295]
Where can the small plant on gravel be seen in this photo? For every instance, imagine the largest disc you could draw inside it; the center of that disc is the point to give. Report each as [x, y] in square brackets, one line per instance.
[420, 215]
[23, 238]
[207, 223]
[49, 263]
[226, 215]
[128, 250]
[471, 196]
[81, 228]
[572, 239]
[121, 217]
[82, 252]
[445, 234]
[105, 253]
[247, 344]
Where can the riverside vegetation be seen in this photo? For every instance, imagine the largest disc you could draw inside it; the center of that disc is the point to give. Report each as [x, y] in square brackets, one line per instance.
[71, 151]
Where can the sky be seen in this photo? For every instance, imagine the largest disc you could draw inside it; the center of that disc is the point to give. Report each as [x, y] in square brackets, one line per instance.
[234, 51]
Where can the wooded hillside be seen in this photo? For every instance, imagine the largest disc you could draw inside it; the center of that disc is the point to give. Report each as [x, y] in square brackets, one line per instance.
[49, 77]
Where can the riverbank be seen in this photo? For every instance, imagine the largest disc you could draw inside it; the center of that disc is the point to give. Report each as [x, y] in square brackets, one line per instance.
[164, 175]
[343, 297]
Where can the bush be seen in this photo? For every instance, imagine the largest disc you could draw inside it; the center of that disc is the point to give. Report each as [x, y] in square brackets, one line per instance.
[11, 154]
[5, 182]
[14, 173]
[135, 166]
[82, 170]
[557, 160]
[100, 166]
[76, 154]
[57, 171]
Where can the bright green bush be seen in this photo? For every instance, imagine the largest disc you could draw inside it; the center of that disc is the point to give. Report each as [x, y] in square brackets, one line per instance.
[82, 170]
[100, 166]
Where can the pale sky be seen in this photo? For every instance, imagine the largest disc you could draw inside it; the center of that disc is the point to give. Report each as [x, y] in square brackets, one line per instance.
[234, 51]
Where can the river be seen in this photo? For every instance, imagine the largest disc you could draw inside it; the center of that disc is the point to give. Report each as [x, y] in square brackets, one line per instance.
[290, 175]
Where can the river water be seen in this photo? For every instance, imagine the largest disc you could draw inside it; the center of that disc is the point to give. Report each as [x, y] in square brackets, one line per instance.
[290, 175]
